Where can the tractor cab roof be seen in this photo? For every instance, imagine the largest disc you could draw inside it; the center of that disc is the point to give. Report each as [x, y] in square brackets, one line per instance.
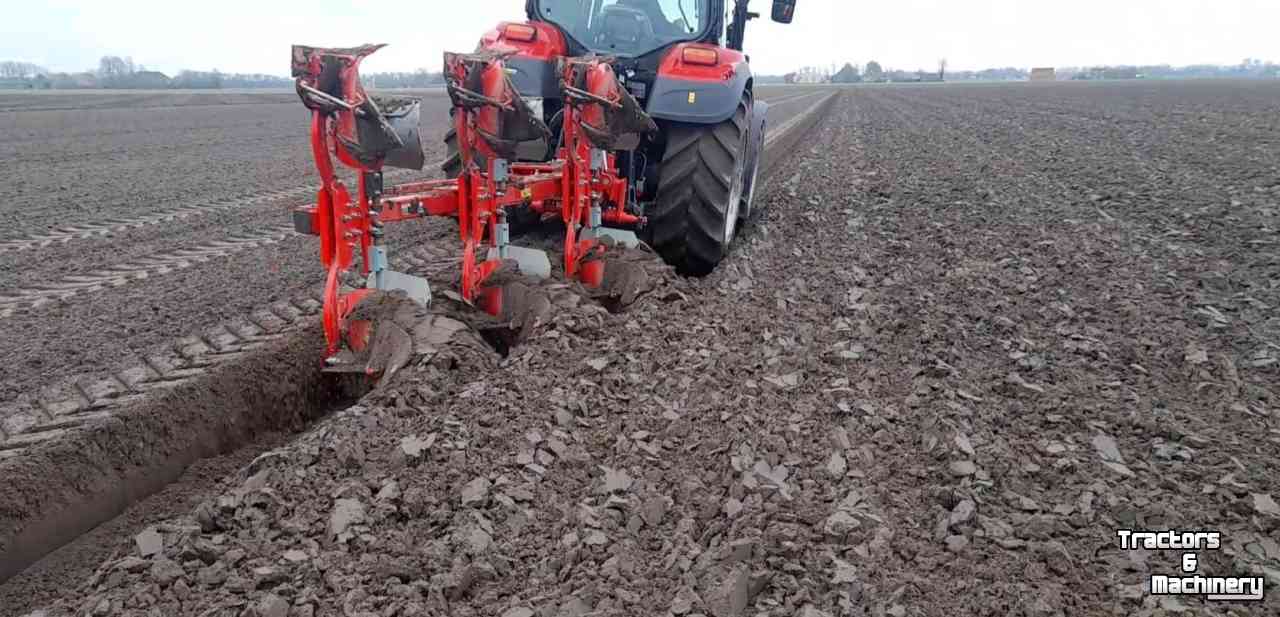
[629, 28]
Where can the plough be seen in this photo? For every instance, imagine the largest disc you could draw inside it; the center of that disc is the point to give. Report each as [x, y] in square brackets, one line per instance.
[581, 186]
[615, 118]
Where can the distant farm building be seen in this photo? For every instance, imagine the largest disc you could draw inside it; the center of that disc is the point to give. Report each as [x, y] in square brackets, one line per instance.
[1044, 74]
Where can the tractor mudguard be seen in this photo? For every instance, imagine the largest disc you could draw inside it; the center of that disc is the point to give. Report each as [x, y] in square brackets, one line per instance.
[699, 93]
[696, 101]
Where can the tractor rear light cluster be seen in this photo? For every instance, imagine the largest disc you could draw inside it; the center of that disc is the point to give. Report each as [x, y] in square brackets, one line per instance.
[520, 32]
[700, 55]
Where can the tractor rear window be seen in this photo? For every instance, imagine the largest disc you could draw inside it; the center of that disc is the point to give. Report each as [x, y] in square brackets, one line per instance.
[628, 27]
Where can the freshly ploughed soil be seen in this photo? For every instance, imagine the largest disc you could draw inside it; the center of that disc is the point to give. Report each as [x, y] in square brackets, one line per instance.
[53, 492]
[81, 478]
[976, 330]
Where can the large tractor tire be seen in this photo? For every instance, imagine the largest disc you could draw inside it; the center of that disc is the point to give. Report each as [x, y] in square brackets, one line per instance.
[695, 215]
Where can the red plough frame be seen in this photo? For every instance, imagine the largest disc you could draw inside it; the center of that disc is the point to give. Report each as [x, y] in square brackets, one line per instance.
[582, 184]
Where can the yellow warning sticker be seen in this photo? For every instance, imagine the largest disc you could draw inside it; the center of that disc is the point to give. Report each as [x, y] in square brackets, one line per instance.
[693, 97]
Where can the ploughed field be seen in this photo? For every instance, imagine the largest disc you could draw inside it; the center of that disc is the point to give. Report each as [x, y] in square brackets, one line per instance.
[151, 258]
[975, 331]
[132, 220]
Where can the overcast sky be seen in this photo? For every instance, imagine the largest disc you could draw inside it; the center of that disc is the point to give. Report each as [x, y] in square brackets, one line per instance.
[243, 36]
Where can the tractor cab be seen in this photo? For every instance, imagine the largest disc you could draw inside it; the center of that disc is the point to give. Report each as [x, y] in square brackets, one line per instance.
[628, 28]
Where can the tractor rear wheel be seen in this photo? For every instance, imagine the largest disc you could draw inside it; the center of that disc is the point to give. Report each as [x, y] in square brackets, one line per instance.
[700, 183]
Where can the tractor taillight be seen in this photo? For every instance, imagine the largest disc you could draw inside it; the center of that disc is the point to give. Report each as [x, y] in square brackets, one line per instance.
[520, 32]
[699, 55]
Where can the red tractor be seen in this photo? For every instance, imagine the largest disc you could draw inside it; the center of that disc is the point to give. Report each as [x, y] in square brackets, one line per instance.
[624, 119]
[694, 178]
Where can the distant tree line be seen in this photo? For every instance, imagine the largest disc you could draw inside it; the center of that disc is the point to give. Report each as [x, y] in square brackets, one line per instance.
[115, 72]
[10, 69]
[421, 78]
[874, 72]
[122, 73]
[848, 74]
[1250, 68]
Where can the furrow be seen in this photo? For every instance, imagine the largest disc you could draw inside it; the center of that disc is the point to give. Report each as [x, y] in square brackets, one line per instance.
[107, 226]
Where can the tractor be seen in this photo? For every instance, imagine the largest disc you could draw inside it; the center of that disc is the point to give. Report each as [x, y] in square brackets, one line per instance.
[694, 178]
[626, 120]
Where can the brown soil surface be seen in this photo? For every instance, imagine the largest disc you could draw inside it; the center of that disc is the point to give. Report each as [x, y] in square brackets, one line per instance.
[976, 331]
[127, 452]
[53, 492]
[73, 562]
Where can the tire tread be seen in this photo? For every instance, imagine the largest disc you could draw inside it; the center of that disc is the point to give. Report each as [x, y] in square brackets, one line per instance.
[687, 219]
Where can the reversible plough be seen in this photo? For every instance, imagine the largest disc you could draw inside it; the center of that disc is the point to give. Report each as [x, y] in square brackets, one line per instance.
[580, 185]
